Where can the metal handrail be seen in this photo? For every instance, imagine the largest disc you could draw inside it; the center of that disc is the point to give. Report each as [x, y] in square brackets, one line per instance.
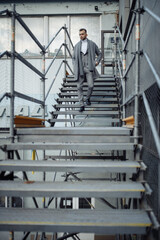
[121, 37]
[127, 70]
[4, 11]
[120, 72]
[152, 14]
[152, 68]
[28, 98]
[65, 29]
[57, 55]
[69, 37]
[54, 59]
[54, 38]
[120, 54]
[53, 80]
[4, 95]
[67, 49]
[3, 53]
[23, 60]
[69, 67]
[129, 32]
[20, 20]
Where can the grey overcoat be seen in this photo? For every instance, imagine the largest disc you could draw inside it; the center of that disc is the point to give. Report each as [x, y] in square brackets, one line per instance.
[94, 55]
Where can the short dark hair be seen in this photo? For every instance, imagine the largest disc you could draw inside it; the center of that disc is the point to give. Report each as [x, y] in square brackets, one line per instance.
[82, 29]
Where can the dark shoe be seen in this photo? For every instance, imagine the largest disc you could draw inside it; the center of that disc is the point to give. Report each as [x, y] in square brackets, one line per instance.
[81, 109]
[88, 102]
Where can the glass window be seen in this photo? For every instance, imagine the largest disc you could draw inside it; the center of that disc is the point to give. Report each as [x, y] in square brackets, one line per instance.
[5, 33]
[25, 45]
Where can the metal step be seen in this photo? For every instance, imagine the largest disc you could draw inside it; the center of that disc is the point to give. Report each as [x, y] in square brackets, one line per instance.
[84, 221]
[110, 131]
[74, 134]
[89, 112]
[86, 106]
[88, 189]
[86, 120]
[68, 146]
[102, 93]
[100, 79]
[99, 166]
[107, 89]
[96, 84]
[88, 156]
[93, 99]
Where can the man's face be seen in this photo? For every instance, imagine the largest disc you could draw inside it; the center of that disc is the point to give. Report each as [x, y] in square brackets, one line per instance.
[82, 35]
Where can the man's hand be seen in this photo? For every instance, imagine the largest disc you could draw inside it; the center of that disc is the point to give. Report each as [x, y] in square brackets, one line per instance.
[96, 63]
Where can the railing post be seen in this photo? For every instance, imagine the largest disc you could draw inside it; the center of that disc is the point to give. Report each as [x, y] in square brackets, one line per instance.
[12, 76]
[137, 39]
[43, 83]
[43, 116]
[124, 83]
[65, 52]
[115, 50]
[12, 83]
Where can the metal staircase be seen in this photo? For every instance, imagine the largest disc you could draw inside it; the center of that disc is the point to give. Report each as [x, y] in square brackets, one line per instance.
[93, 143]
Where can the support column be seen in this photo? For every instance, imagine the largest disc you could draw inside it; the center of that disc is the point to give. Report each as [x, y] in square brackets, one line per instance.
[115, 51]
[65, 52]
[12, 76]
[12, 84]
[124, 83]
[46, 32]
[137, 77]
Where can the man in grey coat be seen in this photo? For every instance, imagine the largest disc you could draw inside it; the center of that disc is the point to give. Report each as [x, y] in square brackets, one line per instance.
[84, 63]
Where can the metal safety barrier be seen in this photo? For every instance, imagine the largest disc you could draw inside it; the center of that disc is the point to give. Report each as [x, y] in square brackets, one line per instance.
[15, 55]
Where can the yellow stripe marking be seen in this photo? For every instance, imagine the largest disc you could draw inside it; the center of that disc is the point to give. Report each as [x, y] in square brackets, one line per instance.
[79, 223]
[87, 190]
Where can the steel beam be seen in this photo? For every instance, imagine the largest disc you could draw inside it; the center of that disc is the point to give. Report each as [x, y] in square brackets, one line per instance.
[31, 99]
[28, 64]
[20, 20]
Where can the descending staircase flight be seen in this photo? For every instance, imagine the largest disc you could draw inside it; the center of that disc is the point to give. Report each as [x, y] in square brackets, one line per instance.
[92, 142]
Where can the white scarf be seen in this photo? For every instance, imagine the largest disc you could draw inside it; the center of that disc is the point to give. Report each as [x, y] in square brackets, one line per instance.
[84, 46]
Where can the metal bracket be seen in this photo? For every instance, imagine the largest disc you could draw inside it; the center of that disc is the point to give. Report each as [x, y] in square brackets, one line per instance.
[139, 10]
[148, 189]
[137, 52]
[154, 220]
[3, 148]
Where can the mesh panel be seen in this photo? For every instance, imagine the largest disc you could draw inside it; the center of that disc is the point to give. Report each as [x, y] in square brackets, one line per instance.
[5, 76]
[149, 43]
[151, 175]
[153, 97]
